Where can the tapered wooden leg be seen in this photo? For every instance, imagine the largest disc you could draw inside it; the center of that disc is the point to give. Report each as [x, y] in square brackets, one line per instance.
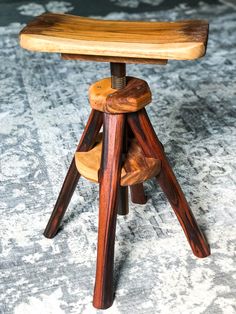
[123, 201]
[89, 135]
[123, 197]
[137, 194]
[136, 191]
[145, 134]
[109, 179]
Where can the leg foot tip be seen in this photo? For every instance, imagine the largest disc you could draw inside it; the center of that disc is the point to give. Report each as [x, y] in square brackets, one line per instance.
[102, 305]
[123, 214]
[140, 201]
[202, 254]
[49, 235]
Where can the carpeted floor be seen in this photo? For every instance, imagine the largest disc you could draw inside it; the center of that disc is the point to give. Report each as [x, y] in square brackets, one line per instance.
[44, 108]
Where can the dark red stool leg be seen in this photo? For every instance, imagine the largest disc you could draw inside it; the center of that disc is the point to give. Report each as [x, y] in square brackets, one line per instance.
[137, 194]
[146, 136]
[89, 136]
[123, 201]
[123, 197]
[109, 179]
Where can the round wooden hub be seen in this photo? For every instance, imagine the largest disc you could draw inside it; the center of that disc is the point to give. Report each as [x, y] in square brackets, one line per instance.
[133, 97]
[136, 167]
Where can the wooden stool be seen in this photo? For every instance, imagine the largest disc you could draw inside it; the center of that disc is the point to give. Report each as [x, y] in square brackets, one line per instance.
[128, 151]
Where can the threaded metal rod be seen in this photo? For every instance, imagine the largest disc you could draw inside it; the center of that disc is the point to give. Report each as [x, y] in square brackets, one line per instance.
[118, 75]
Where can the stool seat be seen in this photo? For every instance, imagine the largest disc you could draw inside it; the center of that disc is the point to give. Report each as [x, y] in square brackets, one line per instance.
[62, 33]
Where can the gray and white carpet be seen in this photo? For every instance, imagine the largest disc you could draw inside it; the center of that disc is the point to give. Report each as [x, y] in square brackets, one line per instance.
[44, 108]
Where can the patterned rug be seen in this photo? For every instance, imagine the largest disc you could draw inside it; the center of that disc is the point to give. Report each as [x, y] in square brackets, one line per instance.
[44, 108]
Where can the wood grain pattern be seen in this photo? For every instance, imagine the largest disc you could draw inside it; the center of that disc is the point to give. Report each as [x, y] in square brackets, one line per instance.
[181, 40]
[87, 140]
[133, 97]
[67, 56]
[136, 167]
[145, 134]
[113, 127]
[136, 190]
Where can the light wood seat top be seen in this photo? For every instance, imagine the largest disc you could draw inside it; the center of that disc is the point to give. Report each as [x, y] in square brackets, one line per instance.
[62, 33]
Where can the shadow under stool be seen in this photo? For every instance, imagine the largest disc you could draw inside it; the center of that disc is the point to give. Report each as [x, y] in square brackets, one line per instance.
[128, 151]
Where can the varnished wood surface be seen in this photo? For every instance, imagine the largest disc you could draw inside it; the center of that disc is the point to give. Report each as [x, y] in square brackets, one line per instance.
[151, 146]
[136, 190]
[123, 192]
[136, 168]
[133, 97]
[67, 56]
[137, 194]
[87, 140]
[180, 40]
[123, 201]
[109, 177]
